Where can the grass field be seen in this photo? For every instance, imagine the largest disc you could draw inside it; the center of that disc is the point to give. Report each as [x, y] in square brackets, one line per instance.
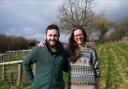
[113, 58]
[113, 65]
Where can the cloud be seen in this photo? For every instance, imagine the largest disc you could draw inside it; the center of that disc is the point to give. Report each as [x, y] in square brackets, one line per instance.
[109, 33]
[114, 9]
[25, 18]
[29, 18]
[93, 36]
[64, 37]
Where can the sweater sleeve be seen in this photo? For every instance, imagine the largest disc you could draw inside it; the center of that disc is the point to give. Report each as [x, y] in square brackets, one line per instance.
[96, 64]
[27, 62]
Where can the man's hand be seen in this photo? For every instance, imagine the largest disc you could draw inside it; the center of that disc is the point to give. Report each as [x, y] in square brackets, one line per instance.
[41, 44]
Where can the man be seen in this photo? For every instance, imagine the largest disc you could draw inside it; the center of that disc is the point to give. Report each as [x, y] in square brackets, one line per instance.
[51, 60]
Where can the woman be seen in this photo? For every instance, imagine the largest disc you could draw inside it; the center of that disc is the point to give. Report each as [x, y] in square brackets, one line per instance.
[83, 62]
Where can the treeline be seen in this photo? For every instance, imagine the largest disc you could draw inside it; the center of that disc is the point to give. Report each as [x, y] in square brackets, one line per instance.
[14, 43]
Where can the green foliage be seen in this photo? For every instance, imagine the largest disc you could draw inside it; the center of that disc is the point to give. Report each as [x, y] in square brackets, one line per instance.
[122, 28]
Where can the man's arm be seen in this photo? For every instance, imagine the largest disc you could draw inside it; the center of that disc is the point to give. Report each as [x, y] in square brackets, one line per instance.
[27, 62]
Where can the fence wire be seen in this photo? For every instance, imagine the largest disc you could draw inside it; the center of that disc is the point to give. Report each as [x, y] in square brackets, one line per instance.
[10, 72]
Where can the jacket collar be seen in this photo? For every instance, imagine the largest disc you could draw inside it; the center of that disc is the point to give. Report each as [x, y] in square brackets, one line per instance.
[59, 46]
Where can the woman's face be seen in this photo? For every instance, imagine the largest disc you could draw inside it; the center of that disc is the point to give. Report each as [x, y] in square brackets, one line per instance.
[79, 37]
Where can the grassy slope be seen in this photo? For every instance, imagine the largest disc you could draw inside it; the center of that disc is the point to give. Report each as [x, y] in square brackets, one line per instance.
[113, 65]
[113, 60]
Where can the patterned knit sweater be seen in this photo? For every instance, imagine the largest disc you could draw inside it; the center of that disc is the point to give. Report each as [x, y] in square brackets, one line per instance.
[85, 70]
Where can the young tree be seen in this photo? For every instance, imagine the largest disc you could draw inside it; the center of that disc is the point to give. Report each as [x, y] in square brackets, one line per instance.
[123, 27]
[101, 24]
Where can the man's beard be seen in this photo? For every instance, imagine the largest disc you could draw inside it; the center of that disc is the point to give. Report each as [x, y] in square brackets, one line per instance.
[49, 44]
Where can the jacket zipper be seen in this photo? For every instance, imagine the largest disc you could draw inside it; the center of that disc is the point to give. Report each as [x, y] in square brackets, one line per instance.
[53, 58]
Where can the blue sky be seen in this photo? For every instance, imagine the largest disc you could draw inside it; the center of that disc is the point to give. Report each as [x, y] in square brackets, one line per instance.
[29, 18]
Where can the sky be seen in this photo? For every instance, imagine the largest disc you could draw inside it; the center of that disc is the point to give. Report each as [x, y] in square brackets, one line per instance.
[29, 18]
[114, 10]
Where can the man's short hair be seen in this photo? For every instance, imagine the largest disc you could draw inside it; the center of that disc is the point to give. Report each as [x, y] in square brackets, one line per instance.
[53, 26]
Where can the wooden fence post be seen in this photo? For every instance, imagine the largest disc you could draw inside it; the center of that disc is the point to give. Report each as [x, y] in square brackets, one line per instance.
[3, 70]
[20, 74]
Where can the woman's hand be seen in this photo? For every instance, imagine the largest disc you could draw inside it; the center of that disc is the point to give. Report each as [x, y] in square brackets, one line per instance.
[97, 83]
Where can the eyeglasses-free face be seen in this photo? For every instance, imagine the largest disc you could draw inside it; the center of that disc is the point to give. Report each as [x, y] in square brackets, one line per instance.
[52, 37]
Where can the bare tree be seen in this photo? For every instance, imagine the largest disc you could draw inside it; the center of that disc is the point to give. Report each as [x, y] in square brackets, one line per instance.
[75, 12]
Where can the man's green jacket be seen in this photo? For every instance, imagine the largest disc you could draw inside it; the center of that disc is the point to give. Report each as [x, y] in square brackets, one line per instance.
[49, 67]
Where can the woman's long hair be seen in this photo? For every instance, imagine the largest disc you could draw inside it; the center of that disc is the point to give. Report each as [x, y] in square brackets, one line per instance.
[74, 50]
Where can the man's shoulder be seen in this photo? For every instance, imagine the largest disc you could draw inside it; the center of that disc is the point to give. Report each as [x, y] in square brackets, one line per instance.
[37, 49]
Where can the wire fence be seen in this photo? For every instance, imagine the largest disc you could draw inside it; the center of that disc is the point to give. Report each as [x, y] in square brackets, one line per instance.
[11, 72]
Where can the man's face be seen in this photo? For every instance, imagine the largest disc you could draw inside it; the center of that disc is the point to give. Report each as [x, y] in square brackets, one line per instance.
[52, 37]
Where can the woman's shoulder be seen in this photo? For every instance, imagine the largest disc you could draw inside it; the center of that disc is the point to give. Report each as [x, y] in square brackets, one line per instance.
[91, 48]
